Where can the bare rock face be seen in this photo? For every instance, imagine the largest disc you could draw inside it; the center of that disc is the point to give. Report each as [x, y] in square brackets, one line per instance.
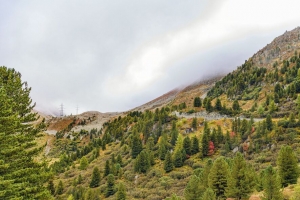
[279, 49]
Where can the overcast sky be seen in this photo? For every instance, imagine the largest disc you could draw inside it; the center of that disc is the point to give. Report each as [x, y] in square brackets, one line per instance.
[116, 55]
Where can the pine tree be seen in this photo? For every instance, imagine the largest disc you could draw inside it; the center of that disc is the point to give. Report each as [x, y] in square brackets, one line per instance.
[60, 188]
[241, 184]
[121, 194]
[197, 102]
[187, 145]
[110, 185]
[208, 105]
[79, 180]
[209, 194]
[271, 183]
[51, 187]
[83, 163]
[236, 106]
[218, 105]
[218, 177]
[142, 162]
[178, 162]
[119, 159]
[20, 175]
[194, 189]
[205, 140]
[168, 163]
[174, 133]
[106, 168]
[136, 145]
[288, 166]
[269, 122]
[95, 178]
[194, 123]
[195, 145]
[162, 150]
[206, 172]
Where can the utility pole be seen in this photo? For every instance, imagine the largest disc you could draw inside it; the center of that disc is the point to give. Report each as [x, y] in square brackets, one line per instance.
[61, 110]
[77, 110]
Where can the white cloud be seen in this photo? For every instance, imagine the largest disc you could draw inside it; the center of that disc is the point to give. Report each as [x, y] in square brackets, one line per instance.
[94, 54]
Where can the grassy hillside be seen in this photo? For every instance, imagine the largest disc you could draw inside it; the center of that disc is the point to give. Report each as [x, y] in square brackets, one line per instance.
[155, 154]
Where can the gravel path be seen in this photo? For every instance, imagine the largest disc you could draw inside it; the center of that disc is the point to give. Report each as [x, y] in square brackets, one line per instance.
[210, 116]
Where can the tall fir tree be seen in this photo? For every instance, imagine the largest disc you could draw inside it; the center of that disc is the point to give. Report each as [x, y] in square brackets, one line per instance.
[271, 184]
[136, 145]
[21, 176]
[110, 186]
[209, 194]
[242, 181]
[288, 166]
[95, 178]
[187, 145]
[269, 122]
[194, 123]
[205, 140]
[106, 168]
[168, 163]
[218, 177]
[60, 188]
[194, 189]
[195, 145]
[142, 162]
[218, 105]
[121, 194]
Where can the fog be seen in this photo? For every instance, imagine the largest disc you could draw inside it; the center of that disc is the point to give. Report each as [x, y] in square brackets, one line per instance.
[116, 55]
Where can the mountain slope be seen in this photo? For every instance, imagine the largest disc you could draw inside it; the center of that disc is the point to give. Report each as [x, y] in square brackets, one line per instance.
[156, 155]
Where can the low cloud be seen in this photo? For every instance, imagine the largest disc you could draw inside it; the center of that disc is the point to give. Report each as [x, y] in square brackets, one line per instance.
[113, 56]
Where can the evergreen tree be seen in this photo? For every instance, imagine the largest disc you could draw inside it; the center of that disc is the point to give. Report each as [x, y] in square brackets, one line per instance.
[218, 177]
[174, 133]
[110, 185]
[271, 185]
[142, 162]
[209, 194]
[208, 105]
[121, 194]
[218, 105]
[95, 178]
[60, 188]
[288, 166]
[269, 122]
[162, 150]
[236, 106]
[194, 123]
[194, 189]
[79, 181]
[21, 177]
[187, 145]
[205, 140]
[51, 187]
[168, 163]
[119, 159]
[106, 168]
[195, 145]
[241, 184]
[83, 163]
[136, 145]
[197, 102]
[206, 172]
[178, 161]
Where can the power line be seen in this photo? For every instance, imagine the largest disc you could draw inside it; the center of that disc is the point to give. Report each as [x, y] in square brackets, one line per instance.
[61, 110]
